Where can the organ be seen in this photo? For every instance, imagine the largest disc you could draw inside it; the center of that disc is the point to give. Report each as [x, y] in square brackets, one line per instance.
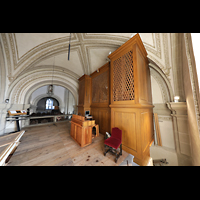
[119, 95]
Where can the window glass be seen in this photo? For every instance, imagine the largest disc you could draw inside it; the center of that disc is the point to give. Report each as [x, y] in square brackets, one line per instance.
[49, 104]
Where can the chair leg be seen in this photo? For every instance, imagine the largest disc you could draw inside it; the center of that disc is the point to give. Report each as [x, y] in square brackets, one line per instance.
[104, 149]
[118, 155]
[105, 152]
[120, 149]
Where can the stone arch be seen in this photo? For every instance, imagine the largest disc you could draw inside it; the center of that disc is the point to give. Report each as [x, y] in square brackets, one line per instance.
[36, 86]
[2, 74]
[163, 82]
[38, 98]
[35, 101]
[22, 88]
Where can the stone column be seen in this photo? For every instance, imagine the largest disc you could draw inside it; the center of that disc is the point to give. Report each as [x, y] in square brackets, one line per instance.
[181, 137]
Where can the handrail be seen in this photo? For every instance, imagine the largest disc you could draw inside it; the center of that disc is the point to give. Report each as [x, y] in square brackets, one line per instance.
[48, 116]
[10, 148]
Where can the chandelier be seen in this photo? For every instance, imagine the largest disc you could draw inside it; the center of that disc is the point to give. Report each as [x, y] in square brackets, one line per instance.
[50, 87]
[50, 90]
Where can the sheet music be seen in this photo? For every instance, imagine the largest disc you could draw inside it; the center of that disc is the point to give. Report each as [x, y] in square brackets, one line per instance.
[13, 112]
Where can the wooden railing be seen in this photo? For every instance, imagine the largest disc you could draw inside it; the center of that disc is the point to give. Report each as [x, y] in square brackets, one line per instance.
[8, 145]
[55, 118]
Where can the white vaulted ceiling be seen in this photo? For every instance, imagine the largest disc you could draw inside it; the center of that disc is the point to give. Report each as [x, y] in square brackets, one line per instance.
[28, 41]
[89, 51]
[33, 54]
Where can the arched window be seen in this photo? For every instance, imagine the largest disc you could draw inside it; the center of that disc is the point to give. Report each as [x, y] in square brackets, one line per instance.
[49, 104]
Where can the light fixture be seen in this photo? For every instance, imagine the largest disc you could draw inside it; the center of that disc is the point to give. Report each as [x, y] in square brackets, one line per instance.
[50, 88]
[176, 99]
[69, 46]
[7, 100]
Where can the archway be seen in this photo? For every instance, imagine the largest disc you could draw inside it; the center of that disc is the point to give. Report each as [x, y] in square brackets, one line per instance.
[2, 75]
[22, 88]
[62, 95]
[165, 121]
[163, 81]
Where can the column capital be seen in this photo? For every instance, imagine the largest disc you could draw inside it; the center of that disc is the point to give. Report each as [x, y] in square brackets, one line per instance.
[180, 108]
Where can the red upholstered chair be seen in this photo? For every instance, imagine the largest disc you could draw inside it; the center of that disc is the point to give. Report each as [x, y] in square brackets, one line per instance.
[113, 143]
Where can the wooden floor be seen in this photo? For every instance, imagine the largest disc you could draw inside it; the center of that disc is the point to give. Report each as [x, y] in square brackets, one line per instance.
[52, 145]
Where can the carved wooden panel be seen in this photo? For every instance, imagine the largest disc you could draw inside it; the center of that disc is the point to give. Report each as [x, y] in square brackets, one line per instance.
[131, 107]
[147, 134]
[100, 92]
[126, 121]
[102, 118]
[123, 78]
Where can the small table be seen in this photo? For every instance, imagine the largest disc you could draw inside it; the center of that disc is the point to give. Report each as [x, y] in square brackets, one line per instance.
[16, 118]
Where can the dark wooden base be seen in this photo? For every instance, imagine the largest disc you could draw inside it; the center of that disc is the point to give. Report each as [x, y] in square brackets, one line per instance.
[114, 151]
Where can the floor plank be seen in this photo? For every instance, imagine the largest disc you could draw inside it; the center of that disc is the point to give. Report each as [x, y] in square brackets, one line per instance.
[52, 145]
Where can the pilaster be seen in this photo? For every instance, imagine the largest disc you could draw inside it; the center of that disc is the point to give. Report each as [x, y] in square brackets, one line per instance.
[181, 137]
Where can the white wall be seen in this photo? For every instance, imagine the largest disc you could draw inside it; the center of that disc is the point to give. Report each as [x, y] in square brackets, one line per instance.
[38, 92]
[156, 92]
[166, 128]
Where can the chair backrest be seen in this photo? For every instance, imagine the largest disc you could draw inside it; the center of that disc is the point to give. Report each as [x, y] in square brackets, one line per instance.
[117, 133]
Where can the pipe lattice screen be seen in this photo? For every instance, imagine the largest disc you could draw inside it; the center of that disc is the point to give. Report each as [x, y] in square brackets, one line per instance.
[123, 78]
[100, 93]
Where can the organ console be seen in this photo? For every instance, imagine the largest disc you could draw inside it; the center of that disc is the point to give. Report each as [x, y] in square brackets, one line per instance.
[82, 130]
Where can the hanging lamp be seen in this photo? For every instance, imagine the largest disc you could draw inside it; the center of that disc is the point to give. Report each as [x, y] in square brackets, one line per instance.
[50, 88]
[69, 46]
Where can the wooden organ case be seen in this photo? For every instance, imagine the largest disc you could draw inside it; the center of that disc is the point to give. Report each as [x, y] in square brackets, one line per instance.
[84, 94]
[131, 100]
[100, 109]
